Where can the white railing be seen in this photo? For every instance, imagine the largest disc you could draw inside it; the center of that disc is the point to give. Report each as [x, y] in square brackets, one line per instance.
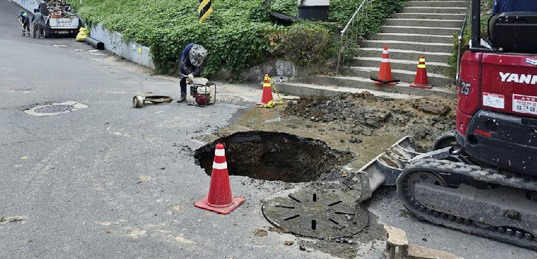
[352, 31]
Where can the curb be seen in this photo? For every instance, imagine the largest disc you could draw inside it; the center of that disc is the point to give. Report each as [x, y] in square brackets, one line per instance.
[333, 86]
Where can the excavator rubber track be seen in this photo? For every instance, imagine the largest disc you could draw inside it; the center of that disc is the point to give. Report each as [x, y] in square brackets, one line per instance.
[472, 199]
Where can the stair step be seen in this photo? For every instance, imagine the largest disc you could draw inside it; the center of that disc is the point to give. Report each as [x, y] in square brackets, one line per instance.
[426, 9]
[409, 65]
[438, 80]
[420, 30]
[426, 38]
[404, 54]
[434, 47]
[438, 3]
[424, 22]
[366, 84]
[438, 16]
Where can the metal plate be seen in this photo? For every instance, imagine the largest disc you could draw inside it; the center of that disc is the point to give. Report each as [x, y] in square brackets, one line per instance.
[317, 212]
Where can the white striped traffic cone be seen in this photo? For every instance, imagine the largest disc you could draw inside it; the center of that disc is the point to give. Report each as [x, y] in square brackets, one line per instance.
[219, 198]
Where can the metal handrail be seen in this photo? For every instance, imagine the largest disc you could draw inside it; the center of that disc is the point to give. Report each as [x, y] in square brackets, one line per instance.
[351, 31]
[460, 39]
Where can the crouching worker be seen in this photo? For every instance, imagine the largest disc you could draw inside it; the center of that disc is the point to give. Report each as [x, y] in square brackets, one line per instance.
[192, 58]
[24, 20]
[38, 24]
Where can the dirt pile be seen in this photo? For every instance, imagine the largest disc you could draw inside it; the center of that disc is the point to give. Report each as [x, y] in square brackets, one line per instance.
[367, 115]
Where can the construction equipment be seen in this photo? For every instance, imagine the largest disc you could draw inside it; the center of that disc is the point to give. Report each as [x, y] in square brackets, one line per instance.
[59, 18]
[483, 178]
[201, 91]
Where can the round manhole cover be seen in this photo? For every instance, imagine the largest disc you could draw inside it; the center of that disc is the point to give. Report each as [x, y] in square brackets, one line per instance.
[55, 108]
[317, 212]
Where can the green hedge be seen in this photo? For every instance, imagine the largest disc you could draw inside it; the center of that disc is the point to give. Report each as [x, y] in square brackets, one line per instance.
[486, 10]
[238, 34]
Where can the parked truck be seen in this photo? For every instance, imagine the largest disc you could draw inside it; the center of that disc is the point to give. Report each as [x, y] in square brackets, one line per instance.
[59, 18]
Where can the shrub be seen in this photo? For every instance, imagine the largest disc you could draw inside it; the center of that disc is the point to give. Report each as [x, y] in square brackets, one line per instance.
[238, 34]
[307, 44]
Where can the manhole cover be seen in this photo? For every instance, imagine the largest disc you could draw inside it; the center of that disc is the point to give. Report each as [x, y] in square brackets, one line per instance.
[55, 108]
[317, 212]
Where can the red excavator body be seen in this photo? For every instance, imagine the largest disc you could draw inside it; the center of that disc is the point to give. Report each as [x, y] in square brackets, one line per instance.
[497, 110]
[497, 91]
[482, 179]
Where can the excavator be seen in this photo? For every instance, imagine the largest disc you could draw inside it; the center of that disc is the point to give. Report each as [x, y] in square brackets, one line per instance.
[482, 178]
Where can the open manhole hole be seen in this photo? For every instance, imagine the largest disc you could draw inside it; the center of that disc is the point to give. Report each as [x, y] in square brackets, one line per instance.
[317, 212]
[274, 156]
[55, 108]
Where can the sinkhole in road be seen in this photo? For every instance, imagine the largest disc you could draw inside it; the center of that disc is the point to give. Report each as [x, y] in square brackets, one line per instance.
[274, 156]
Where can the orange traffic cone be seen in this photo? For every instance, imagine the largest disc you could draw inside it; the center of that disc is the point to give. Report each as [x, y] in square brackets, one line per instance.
[219, 198]
[421, 76]
[385, 71]
[267, 90]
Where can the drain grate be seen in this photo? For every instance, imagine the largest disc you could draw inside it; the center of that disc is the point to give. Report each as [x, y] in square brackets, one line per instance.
[55, 108]
[316, 212]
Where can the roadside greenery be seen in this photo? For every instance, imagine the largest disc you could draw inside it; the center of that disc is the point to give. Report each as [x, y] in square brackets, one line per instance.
[238, 34]
[486, 10]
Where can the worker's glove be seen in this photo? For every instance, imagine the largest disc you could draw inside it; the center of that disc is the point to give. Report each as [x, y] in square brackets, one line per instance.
[190, 78]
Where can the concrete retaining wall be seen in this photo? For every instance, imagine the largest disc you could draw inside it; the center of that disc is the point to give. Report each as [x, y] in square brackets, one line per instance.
[129, 50]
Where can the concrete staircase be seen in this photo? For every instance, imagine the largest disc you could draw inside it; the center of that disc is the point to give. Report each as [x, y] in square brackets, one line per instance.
[424, 27]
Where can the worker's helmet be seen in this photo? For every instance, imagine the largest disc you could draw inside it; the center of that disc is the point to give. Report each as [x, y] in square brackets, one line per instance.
[197, 54]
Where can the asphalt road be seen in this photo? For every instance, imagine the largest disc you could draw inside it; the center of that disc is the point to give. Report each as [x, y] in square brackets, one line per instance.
[109, 180]
[113, 181]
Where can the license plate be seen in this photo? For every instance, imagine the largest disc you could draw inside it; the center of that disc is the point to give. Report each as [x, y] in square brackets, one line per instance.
[63, 32]
[525, 104]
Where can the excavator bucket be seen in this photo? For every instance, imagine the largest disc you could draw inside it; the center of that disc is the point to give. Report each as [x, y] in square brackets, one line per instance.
[386, 167]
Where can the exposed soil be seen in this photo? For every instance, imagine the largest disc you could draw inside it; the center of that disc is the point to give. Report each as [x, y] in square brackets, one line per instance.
[364, 114]
[274, 156]
[360, 124]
